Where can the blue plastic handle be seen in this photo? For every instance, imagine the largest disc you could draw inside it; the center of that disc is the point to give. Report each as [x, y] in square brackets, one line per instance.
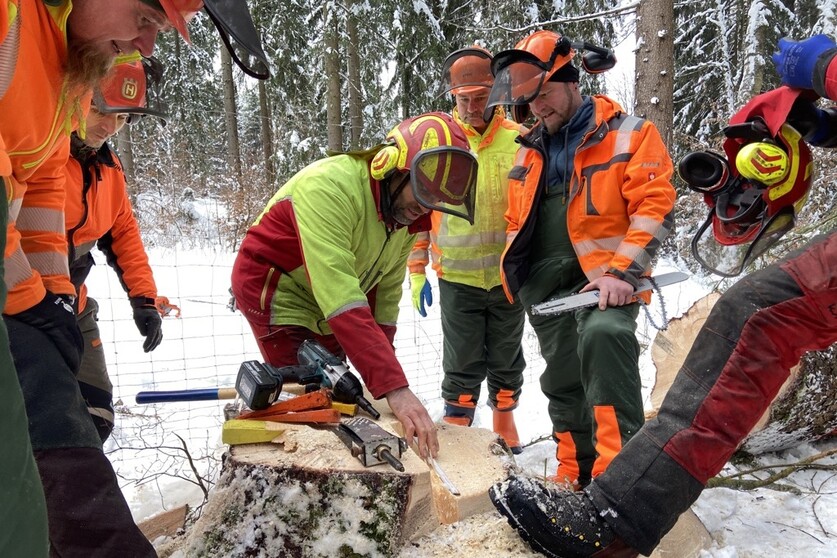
[208, 394]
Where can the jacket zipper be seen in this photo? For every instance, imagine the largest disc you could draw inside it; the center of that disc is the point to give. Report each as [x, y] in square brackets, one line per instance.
[88, 182]
[270, 273]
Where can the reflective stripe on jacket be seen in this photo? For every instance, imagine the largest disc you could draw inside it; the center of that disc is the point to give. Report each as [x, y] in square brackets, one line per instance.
[321, 257]
[98, 211]
[471, 254]
[620, 201]
[37, 148]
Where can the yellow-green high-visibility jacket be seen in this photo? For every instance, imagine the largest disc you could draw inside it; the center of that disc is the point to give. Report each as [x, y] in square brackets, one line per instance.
[468, 254]
[322, 256]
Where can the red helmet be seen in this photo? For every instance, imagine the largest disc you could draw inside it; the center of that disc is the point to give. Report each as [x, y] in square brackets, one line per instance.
[753, 202]
[435, 152]
[131, 87]
[467, 70]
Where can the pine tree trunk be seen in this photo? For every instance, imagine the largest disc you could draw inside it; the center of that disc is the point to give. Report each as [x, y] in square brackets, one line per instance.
[334, 107]
[266, 134]
[230, 115]
[355, 86]
[655, 36]
[125, 149]
[307, 495]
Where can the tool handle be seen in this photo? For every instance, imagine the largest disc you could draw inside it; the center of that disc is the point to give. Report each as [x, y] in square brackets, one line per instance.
[290, 374]
[208, 394]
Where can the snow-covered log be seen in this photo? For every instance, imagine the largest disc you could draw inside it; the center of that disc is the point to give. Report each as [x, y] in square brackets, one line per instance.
[308, 496]
[804, 410]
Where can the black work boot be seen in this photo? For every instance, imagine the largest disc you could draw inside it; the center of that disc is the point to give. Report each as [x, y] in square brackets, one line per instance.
[557, 523]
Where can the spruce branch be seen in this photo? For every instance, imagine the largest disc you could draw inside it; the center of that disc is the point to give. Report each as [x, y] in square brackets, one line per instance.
[735, 481]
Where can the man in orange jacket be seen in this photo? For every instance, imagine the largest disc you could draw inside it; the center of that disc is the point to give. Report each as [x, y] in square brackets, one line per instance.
[590, 201]
[51, 55]
[742, 355]
[99, 213]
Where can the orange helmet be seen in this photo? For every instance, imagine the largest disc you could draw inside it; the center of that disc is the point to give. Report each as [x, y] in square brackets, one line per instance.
[179, 13]
[131, 87]
[552, 49]
[234, 24]
[467, 70]
[435, 152]
[520, 72]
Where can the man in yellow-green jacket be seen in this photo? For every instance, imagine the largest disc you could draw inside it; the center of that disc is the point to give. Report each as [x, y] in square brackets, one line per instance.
[325, 259]
[481, 329]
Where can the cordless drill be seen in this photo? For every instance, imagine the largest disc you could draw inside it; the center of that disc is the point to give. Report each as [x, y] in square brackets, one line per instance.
[331, 372]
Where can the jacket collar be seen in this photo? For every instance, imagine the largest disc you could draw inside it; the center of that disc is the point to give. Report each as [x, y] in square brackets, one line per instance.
[604, 108]
[486, 137]
[87, 155]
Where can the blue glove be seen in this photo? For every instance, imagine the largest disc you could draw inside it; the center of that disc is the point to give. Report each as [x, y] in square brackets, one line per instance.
[796, 60]
[421, 292]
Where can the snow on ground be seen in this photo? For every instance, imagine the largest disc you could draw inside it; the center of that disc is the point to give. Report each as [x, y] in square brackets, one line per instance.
[169, 454]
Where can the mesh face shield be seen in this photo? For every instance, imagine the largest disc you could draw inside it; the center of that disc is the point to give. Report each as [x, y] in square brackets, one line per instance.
[519, 74]
[235, 25]
[443, 179]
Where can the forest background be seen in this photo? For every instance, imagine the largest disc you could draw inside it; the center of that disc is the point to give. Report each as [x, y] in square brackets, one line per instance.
[344, 72]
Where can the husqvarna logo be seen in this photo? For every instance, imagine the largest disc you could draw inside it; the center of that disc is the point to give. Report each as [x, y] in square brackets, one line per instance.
[129, 88]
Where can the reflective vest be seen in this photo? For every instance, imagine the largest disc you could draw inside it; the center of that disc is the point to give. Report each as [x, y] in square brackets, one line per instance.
[621, 200]
[37, 114]
[467, 254]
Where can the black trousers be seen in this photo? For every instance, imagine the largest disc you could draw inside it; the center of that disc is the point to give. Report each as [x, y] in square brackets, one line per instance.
[87, 514]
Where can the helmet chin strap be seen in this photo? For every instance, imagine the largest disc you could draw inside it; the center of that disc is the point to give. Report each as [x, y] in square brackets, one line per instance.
[388, 200]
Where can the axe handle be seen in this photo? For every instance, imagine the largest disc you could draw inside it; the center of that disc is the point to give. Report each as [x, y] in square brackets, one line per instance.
[208, 394]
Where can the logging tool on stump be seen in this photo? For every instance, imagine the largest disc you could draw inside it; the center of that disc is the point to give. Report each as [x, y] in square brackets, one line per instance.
[442, 475]
[332, 373]
[371, 444]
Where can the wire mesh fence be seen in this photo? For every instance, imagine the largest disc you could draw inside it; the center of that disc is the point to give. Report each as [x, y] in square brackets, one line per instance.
[203, 348]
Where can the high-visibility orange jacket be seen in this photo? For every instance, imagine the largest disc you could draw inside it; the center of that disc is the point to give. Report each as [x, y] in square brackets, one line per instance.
[465, 253]
[37, 148]
[98, 212]
[620, 198]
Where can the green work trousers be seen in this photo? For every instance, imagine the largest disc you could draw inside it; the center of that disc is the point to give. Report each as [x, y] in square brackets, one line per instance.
[23, 521]
[591, 362]
[482, 333]
[93, 380]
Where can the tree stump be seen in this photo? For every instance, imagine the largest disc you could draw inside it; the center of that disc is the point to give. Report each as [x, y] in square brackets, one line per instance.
[307, 496]
[805, 408]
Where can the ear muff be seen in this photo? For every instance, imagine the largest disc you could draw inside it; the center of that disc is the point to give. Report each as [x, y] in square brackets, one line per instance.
[703, 171]
[763, 162]
[384, 162]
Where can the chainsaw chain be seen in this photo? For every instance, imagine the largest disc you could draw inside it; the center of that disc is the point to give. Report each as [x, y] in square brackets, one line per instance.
[656, 288]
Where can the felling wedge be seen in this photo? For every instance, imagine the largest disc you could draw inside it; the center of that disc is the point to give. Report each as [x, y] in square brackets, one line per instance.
[238, 431]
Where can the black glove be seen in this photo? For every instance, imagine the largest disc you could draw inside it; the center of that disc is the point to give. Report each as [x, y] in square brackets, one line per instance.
[54, 316]
[148, 320]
